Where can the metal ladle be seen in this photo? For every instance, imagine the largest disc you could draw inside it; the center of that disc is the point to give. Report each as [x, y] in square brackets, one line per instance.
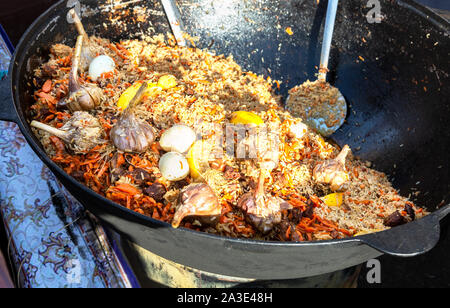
[337, 111]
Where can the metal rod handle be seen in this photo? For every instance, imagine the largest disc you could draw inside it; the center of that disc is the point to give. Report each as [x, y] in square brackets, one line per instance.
[327, 38]
[173, 15]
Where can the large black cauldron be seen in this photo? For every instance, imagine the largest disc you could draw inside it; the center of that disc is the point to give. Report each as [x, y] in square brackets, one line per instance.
[394, 75]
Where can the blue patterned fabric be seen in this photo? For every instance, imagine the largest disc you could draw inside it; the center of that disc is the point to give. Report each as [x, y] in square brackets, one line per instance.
[53, 241]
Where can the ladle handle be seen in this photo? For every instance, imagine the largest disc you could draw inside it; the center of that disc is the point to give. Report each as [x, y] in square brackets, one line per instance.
[176, 25]
[327, 38]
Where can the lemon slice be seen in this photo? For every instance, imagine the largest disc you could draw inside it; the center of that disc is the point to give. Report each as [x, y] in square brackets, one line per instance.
[129, 93]
[167, 82]
[246, 117]
[334, 200]
[198, 157]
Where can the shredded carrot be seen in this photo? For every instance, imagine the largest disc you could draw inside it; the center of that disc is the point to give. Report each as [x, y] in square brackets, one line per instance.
[58, 144]
[47, 86]
[120, 160]
[127, 188]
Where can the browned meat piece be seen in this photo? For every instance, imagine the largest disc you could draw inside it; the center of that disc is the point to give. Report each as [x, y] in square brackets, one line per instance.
[156, 191]
[49, 70]
[78, 175]
[231, 174]
[297, 215]
[395, 219]
[61, 50]
[309, 209]
[287, 231]
[410, 211]
[140, 176]
[116, 171]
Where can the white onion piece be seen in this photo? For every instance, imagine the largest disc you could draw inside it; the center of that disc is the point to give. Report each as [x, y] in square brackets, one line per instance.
[173, 166]
[101, 65]
[298, 130]
[178, 138]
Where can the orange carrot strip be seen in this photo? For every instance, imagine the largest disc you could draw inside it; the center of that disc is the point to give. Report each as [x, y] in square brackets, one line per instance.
[127, 188]
[47, 86]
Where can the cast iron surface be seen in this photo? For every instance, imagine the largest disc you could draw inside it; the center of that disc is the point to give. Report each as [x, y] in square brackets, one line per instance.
[398, 117]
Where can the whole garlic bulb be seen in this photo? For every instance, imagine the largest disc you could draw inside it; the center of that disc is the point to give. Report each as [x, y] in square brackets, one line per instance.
[174, 166]
[178, 138]
[82, 97]
[101, 65]
[198, 200]
[81, 133]
[333, 171]
[262, 210]
[130, 134]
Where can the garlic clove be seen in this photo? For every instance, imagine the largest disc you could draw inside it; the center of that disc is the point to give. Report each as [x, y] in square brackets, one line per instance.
[130, 134]
[101, 65]
[173, 166]
[178, 138]
[298, 130]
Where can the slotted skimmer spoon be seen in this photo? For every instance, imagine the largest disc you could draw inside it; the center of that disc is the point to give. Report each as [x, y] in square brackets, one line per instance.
[334, 112]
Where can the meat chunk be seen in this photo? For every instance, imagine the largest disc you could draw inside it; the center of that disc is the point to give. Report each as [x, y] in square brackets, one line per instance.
[61, 50]
[140, 176]
[395, 219]
[156, 191]
[231, 174]
[410, 211]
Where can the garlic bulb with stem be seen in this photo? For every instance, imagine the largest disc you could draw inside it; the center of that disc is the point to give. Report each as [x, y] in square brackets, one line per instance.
[262, 210]
[200, 201]
[82, 97]
[333, 171]
[131, 134]
[81, 132]
[87, 53]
